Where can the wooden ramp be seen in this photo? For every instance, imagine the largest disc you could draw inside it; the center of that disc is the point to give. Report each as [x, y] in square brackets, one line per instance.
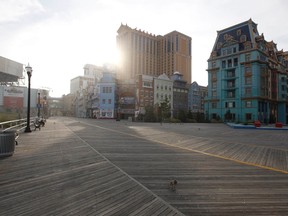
[54, 172]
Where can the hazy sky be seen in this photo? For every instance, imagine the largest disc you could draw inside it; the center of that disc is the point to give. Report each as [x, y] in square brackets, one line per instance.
[58, 37]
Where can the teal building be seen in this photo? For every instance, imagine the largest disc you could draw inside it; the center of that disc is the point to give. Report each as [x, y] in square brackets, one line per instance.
[247, 77]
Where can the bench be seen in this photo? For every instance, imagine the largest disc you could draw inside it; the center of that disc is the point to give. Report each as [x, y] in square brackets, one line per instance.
[37, 125]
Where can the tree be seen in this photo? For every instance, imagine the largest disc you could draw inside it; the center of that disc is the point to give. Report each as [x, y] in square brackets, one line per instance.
[149, 115]
[182, 115]
[190, 114]
[165, 109]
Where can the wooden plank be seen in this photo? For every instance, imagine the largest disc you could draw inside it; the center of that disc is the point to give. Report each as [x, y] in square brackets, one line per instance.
[207, 185]
[59, 174]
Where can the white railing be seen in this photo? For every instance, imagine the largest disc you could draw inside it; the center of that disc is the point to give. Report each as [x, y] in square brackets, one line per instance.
[18, 125]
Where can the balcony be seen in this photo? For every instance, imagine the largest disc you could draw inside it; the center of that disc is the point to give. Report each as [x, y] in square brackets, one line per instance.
[231, 87]
[248, 74]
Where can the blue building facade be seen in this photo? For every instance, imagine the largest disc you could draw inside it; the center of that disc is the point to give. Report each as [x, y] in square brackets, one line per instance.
[107, 86]
[196, 98]
[247, 77]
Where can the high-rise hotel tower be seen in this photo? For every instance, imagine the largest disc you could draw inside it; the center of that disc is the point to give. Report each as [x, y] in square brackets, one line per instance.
[147, 54]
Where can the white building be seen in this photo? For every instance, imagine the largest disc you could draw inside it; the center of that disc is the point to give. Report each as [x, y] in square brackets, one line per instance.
[163, 88]
[93, 71]
[79, 83]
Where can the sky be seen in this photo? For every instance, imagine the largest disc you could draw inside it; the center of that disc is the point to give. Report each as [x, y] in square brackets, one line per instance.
[58, 37]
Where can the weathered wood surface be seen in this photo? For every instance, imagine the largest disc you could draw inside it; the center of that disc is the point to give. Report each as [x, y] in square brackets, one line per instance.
[54, 172]
[93, 167]
[220, 170]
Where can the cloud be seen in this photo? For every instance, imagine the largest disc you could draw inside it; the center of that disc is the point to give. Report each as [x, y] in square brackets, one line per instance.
[14, 10]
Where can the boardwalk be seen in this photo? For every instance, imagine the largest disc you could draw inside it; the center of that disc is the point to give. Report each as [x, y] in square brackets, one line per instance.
[55, 172]
[90, 167]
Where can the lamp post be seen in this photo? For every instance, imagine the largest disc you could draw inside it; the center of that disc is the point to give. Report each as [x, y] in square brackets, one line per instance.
[38, 105]
[29, 73]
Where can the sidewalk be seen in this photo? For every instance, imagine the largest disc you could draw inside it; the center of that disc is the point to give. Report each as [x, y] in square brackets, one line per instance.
[54, 172]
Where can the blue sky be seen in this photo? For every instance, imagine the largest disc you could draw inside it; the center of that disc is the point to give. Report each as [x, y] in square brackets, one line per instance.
[58, 37]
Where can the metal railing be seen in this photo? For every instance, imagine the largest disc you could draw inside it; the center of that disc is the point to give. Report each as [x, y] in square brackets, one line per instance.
[18, 125]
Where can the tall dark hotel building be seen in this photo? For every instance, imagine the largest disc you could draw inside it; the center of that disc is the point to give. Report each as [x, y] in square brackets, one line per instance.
[147, 54]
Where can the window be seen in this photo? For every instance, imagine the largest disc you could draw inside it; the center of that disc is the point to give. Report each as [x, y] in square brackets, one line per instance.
[230, 104]
[214, 94]
[103, 101]
[214, 105]
[177, 44]
[223, 64]
[219, 44]
[247, 46]
[235, 62]
[231, 94]
[238, 32]
[147, 84]
[229, 63]
[248, 104]
[229, 51]
[213, 64]
[214, 85]
[230, 73]
[248, 91]
[248, 69]
[247, 57]
[243, 38]
[106, 89]
[248, 116]
[109, 101]
[231, 84]
[248, 80]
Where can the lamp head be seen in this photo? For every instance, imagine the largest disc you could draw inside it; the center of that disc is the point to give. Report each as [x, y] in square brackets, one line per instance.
[29, 70]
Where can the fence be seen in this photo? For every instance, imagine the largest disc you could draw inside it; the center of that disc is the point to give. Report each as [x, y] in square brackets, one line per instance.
[8, 135]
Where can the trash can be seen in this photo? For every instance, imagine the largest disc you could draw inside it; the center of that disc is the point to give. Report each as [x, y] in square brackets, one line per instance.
[7, 143]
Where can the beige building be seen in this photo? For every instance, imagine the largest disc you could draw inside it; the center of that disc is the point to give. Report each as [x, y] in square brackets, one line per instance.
[143, 53]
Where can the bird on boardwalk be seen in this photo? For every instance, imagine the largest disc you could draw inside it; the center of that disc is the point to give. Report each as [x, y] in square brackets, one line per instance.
[172, 185]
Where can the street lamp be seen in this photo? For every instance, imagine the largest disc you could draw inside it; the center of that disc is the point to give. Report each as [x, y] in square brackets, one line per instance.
[29, 73]
[38, 105]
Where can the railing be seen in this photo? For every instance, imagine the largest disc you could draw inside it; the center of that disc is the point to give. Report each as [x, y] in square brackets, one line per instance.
[9, 134]
[18, 125]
